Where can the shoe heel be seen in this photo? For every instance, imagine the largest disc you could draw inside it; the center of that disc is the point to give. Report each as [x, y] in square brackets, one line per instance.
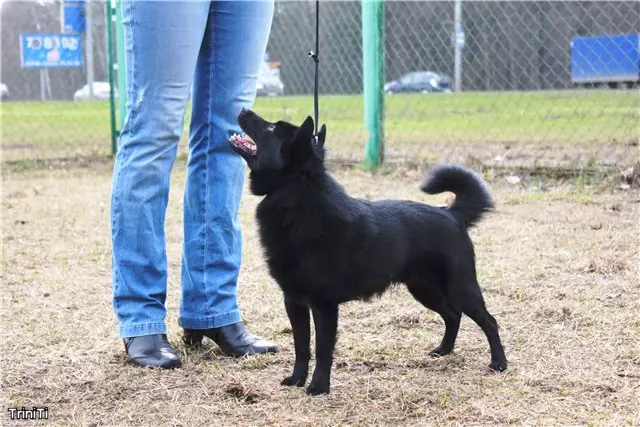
[192, 337]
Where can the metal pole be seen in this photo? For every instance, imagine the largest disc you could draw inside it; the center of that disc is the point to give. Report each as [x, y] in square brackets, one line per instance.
[110, 18]
[62, 17]
[43, 78]
[122, 81]
[48, 81]
[373, 78]
[89, 38]
[43, 89]
[458, 40]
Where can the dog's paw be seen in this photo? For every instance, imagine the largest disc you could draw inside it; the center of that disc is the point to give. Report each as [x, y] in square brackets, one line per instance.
[316, 388]
[439, 351]
[498, 366]
[294, 380]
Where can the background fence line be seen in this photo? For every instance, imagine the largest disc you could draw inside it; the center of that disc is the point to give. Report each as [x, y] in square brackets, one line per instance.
[518, 105]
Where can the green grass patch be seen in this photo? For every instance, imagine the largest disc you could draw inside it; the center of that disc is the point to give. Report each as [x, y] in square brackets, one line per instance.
[578, 195]
[558, 119]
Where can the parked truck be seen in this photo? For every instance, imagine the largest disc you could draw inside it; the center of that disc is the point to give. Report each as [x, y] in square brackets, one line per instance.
[606, 60]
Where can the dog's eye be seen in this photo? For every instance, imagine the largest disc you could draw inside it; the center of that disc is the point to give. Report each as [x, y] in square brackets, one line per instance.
[271, 128]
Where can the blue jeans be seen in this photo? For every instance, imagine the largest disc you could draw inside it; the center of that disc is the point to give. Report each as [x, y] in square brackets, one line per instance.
[169, 46]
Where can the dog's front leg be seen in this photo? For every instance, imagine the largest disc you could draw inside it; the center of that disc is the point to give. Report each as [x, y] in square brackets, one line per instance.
[301, 326]
[325, 317]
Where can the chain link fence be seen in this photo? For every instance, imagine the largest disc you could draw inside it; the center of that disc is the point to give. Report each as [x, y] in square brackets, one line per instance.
[518, 103]
[40, 118]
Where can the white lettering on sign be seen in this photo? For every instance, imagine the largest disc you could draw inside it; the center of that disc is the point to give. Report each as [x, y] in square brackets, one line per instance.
[51, 42]
[69, 43]
[34, 43]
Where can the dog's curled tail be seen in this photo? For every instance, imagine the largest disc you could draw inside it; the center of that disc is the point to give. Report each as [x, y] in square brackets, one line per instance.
[473, 198]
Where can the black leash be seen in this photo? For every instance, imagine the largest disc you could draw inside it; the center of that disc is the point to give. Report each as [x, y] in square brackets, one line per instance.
[314, 56]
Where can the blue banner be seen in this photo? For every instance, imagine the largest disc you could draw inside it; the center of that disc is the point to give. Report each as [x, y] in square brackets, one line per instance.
[51, 51]
[74, 16]
[605, 58]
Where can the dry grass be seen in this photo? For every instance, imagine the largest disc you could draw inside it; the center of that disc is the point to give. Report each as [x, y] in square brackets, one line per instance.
[559, 268]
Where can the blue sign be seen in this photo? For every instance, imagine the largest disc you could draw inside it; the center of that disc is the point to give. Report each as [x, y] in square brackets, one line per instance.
[74, 16]
[51, 51]
[605, 58]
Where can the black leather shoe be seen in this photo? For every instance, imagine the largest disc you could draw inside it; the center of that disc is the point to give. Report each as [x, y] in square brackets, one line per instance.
[152, 350]
[234, 340]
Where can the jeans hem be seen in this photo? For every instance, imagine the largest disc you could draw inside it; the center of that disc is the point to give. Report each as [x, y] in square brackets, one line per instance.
[140, 329]
[211, 321]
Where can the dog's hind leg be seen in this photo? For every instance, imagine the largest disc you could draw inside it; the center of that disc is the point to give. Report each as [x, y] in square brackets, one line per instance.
[325, 317]
[301, 326]
[433, 299]
[473, 306]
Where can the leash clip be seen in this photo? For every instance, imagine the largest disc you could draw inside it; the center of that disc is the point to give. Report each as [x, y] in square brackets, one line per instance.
[313, 55]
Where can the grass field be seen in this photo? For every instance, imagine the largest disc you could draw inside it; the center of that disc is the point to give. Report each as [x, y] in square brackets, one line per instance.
[558, 260]
[558, 264]
[551, 127]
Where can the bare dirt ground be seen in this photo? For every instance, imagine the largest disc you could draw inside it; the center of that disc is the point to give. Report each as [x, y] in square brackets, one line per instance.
[558, 263]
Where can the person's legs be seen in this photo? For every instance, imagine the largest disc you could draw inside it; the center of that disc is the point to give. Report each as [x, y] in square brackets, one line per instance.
[162, 41]
[225, 82]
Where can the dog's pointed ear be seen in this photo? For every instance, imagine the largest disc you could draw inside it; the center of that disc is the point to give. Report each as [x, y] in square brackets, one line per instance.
[322, 134]
[306, 128]
[305, 131]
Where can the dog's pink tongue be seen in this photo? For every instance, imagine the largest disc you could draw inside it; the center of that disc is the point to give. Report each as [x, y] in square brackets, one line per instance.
[245, 142]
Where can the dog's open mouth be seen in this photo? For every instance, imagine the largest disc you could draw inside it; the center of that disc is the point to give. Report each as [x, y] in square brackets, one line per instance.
[244, 143]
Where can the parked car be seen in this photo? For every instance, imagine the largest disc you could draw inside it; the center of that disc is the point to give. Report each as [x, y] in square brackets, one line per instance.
[4, 91]
[419, 82]
[100, 91]
[269, 81]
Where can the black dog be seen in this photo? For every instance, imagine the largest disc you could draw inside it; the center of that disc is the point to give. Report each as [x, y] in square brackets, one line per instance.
[325, 248]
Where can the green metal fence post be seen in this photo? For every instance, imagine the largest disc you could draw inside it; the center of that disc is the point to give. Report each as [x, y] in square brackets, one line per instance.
[373, 73]
[112, 104]
[122, 81]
